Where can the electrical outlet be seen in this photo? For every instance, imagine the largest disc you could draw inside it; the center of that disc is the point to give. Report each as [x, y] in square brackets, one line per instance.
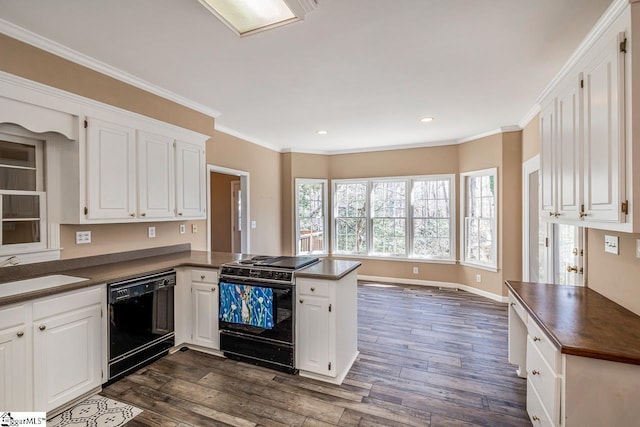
[415, 270]
[637, 248]
[478, 278]
[83, 237]
[611, 244]
[194, 228]
[253, 224]
[182, 229]
[152, 232]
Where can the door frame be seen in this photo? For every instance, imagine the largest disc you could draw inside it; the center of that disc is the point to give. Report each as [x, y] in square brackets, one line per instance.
[245, 240]
[528, 167]
[235, 185]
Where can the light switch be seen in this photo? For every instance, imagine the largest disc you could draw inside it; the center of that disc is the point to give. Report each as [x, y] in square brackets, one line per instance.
[253, 224]
[611, 244]
[637, 248]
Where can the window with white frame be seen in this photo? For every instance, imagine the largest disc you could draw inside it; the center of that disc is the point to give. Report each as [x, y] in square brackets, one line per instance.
[479, 222]
[311, 216]
[22, 196]
[399, 217]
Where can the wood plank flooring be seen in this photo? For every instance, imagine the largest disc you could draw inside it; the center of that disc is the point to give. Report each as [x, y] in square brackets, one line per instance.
[428, 357]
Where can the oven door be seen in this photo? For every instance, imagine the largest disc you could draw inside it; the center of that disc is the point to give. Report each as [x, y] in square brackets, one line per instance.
[259, 310]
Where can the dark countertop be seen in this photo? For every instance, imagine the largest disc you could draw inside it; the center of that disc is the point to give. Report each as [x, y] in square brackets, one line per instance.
[114, 268]
[582, 322]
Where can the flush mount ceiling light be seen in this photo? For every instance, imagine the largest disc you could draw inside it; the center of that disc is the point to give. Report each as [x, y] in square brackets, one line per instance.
[426, 119]
[322, 132]
[247, 17]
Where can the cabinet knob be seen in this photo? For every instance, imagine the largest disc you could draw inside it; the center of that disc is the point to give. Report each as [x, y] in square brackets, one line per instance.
[513, 304]
[20, 334]
[202, 276]
[573, 268]
[143, 214]
[179, 213]
[131, 214]
[535, 418]
[301, 300]
[213, 289]
[42, 327]
[536, 339]
[534, 372]
[313, 289]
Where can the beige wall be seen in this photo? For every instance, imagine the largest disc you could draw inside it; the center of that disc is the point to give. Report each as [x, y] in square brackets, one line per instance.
[265, 203]
[614, 276]
[531, 139]
[220, 209]
[32, 63]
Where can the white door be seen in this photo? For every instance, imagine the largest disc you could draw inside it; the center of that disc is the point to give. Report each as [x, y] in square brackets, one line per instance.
[190, 180]
[67, 354]
[111, 171]
[205, 308]
[313, 334]
[568, 254]
[156, 178]
[236, 217]
[569, 160]
[14, 376]
[604, 134]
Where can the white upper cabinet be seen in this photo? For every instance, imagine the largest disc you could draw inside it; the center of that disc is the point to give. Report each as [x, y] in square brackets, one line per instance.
[111, 170]
[138, 175]
[190, 180]
[156, 177]
[584, 141]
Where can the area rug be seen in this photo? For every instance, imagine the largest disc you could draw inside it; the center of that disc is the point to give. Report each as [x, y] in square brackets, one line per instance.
[96, 411]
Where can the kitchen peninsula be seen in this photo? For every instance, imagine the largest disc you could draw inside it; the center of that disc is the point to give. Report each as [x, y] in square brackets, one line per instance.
[31, 321]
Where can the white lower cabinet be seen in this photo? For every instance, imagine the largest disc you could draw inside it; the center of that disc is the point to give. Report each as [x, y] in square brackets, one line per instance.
[14, 373]
[204, 309]
[51, 350]
[326, 327]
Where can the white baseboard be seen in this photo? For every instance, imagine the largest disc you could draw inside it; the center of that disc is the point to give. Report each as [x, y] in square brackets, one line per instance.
[450, 285]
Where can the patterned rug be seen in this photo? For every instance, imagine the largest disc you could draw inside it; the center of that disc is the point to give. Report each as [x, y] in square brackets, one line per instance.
[96, 411]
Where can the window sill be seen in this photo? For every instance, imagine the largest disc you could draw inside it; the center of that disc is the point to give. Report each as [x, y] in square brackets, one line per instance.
[403, 259]
[479, 266]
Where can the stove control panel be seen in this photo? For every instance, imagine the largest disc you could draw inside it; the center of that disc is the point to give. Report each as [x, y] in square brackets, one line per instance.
[257, 273]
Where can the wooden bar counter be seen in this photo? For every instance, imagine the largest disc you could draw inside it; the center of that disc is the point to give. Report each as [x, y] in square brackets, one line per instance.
[580, 354]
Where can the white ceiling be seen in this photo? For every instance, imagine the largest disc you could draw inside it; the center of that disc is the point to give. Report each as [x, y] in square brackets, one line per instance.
[365, 70]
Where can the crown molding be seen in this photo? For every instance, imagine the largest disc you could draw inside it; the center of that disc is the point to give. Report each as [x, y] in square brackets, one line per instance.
[524, 121]
[229, 131]
[26, 36]
[611, 14]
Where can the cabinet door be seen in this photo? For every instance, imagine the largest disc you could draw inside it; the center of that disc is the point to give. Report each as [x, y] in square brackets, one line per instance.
[547, 156]
[190, 180]
[314, 340]
[205, 308]
[14, 374]
[604, 134]
[111, 171]
[66, 357]
[569, 159]
[156, 176]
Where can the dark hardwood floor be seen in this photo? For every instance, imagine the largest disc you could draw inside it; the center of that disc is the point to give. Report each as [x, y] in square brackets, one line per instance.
[428, 357]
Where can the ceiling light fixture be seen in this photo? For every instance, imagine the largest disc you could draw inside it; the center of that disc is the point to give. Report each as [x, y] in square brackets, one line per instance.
[426, 119]
[247, 17]
[322, 132]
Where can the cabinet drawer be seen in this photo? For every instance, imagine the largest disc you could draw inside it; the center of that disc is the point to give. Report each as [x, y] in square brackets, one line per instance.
[515, 305]
[68, 302]
[205, 276]
[544, 380]
[313, 287]
[542, 342]
[535, 409]
[12, 316]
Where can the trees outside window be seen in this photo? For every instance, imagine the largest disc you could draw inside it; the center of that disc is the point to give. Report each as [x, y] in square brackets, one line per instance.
[311, 216]
[479, 201]
[403, 217]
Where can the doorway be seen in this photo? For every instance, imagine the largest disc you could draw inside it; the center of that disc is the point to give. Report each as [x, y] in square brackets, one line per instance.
[228, 212]
[552, 253]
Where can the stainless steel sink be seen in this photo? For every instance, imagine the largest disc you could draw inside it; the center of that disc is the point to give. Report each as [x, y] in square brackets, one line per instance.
[37, 284]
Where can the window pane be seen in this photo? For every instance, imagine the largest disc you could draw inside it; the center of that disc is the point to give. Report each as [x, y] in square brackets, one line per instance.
[351, 235]
[431, 218]
[17, 179]
[389, 236]
[15, 232]
[14, 154]
[351, 217]
[311, 217]
[388, 199]
[20, 206]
